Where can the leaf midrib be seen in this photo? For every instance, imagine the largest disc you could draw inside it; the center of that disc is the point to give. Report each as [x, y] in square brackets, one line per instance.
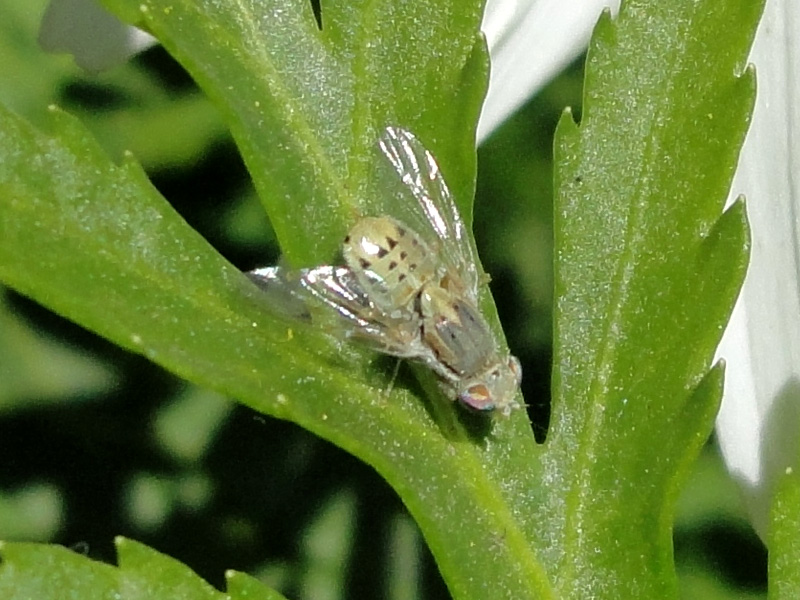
[603, 366]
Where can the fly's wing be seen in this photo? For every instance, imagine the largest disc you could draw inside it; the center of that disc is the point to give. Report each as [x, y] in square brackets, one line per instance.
[432, 212]
[295, 293]
[332, 298]
[281, 291]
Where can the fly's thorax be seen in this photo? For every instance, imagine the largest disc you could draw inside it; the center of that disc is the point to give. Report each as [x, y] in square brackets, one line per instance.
[391, 261]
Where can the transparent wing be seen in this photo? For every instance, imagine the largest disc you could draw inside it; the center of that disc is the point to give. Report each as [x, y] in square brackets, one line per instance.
[332, 298]
[281, 292]
[294, 293]
[434, 208]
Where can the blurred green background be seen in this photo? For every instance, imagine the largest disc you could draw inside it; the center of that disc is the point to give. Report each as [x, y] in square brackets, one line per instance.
[96, 442]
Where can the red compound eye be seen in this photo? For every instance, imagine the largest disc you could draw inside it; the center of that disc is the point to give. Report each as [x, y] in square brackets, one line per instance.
[477, 397]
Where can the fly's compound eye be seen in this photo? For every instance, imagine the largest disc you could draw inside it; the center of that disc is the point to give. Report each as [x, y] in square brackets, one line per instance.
[477, 397]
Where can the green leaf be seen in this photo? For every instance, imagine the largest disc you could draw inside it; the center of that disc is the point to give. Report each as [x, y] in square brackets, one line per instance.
[646, 276]
[241, 585]
[48, 571]
[784, 539]
[646, 269]
[306, 105]
[90, 240]
[94, 242]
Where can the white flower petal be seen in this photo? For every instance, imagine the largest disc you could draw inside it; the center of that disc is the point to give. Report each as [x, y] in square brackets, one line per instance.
[96, 38]
[530, 41]
[759, 424]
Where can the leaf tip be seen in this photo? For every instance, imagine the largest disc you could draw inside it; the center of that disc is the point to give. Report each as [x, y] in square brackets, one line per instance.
[566, 132]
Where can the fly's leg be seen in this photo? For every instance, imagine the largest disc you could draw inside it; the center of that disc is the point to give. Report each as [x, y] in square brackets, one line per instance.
[396, 370]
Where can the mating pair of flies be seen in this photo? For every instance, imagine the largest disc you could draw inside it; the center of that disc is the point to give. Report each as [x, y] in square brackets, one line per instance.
[409, 286]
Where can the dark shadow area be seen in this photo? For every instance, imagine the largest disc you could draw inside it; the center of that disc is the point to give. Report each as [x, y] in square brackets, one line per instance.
[87, 95]
[208, 190]
[317, 8]
[732, 551]
[169, 73]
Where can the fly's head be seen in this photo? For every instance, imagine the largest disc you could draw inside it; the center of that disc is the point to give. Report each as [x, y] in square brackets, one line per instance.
[493, 389]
